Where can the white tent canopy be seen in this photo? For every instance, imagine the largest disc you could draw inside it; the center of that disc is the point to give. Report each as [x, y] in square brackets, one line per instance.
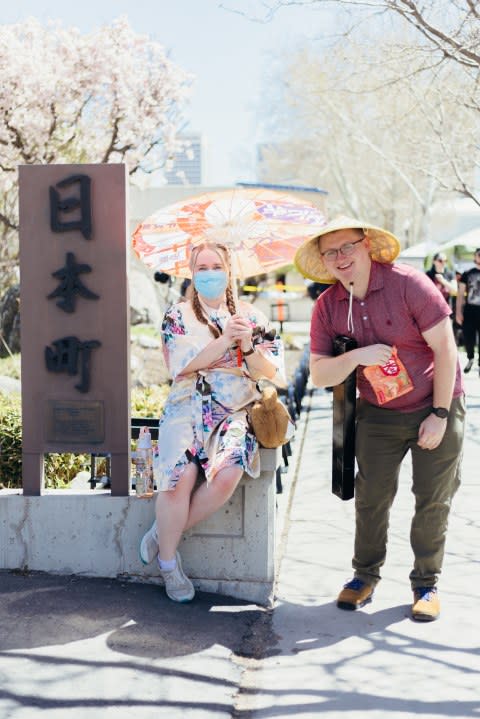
[415, 255]
[451, 218]
[420, 251]
[470, 240]
[459, 250]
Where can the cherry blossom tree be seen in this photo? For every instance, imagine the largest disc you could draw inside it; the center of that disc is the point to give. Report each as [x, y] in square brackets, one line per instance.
[67, 97]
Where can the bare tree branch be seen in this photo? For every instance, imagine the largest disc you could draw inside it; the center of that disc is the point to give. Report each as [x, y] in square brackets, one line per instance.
[7, 222]
[458, 44]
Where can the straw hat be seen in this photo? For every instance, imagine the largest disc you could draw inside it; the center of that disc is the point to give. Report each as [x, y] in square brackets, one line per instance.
[384, 247]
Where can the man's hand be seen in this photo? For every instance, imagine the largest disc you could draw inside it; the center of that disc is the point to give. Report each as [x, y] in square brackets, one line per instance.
[373, 355]
[431, 432]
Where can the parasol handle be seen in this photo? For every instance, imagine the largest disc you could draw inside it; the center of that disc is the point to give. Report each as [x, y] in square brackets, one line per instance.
[235, 292]
[233, 281]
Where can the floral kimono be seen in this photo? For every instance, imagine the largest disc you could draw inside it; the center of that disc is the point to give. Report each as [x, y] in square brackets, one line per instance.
[205, 415]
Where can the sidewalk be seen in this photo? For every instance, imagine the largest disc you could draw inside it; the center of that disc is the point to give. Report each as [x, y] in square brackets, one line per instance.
[333, 663]
[80, 648]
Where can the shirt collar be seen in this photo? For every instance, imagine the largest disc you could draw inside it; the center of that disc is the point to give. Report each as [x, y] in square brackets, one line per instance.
[215, 313]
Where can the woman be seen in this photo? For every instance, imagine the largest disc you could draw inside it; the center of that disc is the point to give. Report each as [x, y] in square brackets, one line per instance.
[442, 277]
[446, 282]
[213, 352]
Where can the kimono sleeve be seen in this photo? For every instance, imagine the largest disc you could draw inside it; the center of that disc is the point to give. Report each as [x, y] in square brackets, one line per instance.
[180, 344]
[273, 350]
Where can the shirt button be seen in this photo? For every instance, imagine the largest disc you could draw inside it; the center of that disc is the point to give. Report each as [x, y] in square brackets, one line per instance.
[365, 317]
[362, 303]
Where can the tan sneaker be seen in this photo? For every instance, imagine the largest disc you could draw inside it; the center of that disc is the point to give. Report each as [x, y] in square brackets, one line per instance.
[149, 545]
[177, 585]
[426, 605]
[355, 594]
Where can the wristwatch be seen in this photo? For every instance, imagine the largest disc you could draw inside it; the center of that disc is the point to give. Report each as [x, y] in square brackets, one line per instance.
[249, 352]
[441, 412]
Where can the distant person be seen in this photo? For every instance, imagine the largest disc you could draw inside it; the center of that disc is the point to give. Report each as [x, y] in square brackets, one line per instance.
[315, 289]
[442, 277]
[446, 282]
[281, 282]
[186, 290]
[468, 310]
[457, 329]
[162, 278]
[411, 397]
[250, 288]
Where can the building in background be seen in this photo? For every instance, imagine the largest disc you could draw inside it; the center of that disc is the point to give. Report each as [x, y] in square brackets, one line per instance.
[189, 164]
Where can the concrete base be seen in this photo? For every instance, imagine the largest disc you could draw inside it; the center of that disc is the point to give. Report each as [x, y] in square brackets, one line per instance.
[95, 534]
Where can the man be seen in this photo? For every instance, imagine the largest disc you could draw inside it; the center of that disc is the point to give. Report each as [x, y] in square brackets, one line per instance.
[468, 310]
[385, 306]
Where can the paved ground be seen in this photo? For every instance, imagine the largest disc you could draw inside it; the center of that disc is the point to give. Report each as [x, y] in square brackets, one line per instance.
[329, 663]
[75, 648]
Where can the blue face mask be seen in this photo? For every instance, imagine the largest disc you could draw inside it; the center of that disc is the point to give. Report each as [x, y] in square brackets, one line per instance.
[210, 283]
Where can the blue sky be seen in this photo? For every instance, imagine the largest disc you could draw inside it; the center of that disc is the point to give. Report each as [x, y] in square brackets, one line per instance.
[229, 54]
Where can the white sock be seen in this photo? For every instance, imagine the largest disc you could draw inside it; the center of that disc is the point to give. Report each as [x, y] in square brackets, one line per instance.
[167, 565]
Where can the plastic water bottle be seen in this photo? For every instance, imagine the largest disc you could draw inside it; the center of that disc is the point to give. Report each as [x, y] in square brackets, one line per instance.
[144, 464]
[139, 477]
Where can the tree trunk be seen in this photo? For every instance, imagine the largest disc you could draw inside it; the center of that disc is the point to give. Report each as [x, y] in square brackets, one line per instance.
[10, 321]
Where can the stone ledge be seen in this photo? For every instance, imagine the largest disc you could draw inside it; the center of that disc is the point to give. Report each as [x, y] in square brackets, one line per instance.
[95, 534]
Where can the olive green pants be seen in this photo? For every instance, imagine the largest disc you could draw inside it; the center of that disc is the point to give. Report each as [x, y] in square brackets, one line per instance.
[383, 438]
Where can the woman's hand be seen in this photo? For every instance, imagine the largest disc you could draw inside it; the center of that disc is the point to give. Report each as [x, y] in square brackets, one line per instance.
[238, 329]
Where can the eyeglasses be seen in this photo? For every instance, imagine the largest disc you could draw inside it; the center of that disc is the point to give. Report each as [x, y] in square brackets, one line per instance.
[347, 249]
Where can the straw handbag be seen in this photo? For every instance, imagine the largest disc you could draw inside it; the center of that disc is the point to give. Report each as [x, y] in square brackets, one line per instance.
[270, 419]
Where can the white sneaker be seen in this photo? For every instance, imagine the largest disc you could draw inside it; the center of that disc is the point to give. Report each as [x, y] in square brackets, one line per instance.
[177, 585]
[149, 545]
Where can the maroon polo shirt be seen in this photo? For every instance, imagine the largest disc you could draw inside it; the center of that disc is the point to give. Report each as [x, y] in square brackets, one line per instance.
[400, 304]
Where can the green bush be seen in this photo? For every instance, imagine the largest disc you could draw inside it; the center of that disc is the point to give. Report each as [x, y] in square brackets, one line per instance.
[60, 469]
[149, 401]
[10, 441]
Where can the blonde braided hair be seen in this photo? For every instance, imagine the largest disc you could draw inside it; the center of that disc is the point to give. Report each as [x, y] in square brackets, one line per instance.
[198, 310]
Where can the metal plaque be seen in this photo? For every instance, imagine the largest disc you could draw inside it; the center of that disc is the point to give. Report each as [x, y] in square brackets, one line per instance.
[72, 421]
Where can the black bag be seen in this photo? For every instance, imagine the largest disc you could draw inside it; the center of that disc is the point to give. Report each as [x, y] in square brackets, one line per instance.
[343, 437]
